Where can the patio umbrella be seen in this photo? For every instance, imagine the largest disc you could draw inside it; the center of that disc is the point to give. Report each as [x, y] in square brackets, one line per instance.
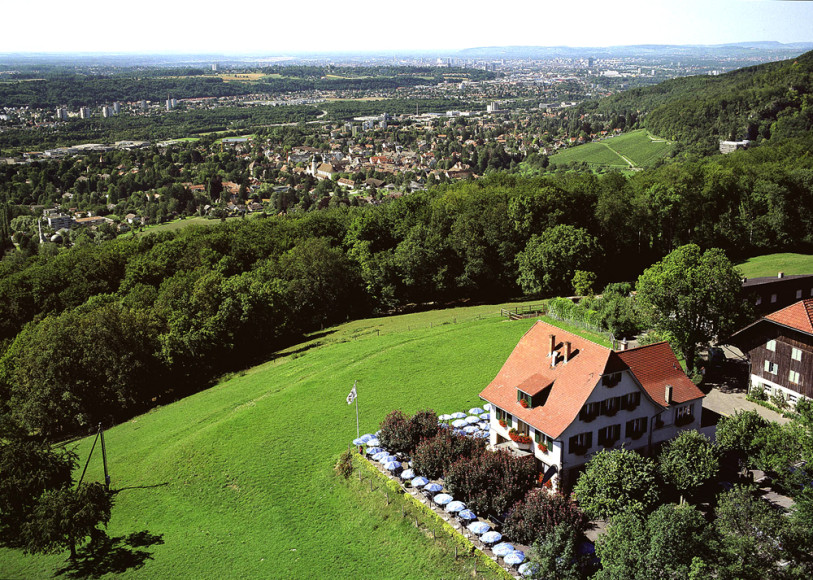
[469, 429]
[443, 498]
[387, 459]
[458, 432]
[419, 482]
[455, 506]
[373, 450]
[407, 474]
[381, 455]
[487, 407]
[514, 558]
[444, 417]
[476, 411]
[392, 465]
[481, 435]
[458, 415]
[459, 423]
[374, 442]
[472, 419]
[466, 515]
[485, 416]
[484, 425]
[432, 487]
[479, 528]
[502, 549]
[491, 537]
[529, 569]
[359, 441]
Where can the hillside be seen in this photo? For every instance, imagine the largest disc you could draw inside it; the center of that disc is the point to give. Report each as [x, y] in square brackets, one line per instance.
[636, 149]
[769, 101]
[238, 480]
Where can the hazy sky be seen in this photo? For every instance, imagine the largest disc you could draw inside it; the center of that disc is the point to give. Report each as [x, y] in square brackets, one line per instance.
[271, 27]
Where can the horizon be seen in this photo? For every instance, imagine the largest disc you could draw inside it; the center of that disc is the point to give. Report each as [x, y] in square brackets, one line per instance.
[161, 28]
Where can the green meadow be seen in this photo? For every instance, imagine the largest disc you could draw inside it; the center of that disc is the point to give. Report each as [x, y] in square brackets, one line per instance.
[237, 481]
[772, 264]
[628, 150]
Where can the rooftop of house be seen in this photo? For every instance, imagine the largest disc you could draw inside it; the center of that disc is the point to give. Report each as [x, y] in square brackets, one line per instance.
[572, 373]
[749, 282]
[798, 315]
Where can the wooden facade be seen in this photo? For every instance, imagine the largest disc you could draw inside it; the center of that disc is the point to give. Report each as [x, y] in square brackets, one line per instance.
[774, 293]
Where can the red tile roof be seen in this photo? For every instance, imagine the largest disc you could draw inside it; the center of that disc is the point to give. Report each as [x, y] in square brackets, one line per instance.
[529, 368]
[798, 316]
[656, 366]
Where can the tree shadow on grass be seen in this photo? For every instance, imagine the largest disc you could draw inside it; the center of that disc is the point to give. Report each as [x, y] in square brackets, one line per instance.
[106, 555]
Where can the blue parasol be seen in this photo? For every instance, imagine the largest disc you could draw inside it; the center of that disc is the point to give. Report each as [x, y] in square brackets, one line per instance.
[514, 558]
[455, 506]
[419, 481]
[392, 465]
[372, 451]
[466, 515]
[443, 498]
[479, 528]
[407, 474]
[491, 537]
[529, 569]
[502, 549]
[432, 487]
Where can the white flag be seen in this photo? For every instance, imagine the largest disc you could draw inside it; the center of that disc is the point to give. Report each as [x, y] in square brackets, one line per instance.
[352, 396]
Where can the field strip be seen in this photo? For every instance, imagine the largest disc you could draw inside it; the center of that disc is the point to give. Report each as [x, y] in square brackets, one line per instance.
[631, 164]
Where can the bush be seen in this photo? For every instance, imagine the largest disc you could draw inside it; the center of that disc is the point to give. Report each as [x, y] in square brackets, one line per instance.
[344, 466]
[535, 517]
[401, 434]
[433, 457]
[491, 482]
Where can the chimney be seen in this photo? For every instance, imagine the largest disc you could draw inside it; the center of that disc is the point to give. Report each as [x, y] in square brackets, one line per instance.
[553, 359]
[552, 344]
[668, 394]
[567, 351]
[744, 280]
[623, 345]
[781, 275]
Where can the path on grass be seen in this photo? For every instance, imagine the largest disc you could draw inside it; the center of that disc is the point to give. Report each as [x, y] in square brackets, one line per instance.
[626, 159]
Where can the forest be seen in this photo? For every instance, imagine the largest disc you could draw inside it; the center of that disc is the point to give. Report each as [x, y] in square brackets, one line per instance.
[105, 329]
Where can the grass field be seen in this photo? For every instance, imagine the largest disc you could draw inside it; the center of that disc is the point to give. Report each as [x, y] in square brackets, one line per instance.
[238, 480]
[772, 264]
[629, 150]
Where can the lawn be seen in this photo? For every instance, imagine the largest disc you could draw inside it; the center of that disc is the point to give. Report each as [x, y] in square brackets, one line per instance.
[638, 147]
[772, 264]
[238, 482]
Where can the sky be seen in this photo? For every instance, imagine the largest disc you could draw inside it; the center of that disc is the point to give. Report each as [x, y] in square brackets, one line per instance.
[279, 28]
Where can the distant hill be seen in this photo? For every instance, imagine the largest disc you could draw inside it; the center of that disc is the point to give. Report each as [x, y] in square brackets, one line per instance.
[768, 101]
[777, 50]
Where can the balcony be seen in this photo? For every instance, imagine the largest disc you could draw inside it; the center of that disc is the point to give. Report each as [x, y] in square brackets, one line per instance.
[684, 420]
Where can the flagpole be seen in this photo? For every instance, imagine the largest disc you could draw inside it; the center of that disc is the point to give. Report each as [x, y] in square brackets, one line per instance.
[357, 411]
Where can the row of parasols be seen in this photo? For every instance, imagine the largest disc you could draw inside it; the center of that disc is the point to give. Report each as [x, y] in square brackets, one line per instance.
[458, 421]
[475, 423]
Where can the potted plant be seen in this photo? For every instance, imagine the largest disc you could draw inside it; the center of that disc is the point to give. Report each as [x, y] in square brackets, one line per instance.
[503, 424]
[523, 403]
[522, 441]
[542, 447]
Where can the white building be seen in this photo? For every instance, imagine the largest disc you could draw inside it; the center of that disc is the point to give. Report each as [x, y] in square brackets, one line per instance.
[571, 398]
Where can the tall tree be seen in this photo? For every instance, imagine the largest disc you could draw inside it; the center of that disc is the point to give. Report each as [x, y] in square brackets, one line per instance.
[692, 295]
[688, 461]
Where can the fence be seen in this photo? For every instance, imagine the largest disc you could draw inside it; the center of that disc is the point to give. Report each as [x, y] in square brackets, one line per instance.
[527, 311]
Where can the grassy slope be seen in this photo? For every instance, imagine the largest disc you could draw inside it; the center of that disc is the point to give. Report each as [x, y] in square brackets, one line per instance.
[771, 264]
[238, 479]
[637, 146]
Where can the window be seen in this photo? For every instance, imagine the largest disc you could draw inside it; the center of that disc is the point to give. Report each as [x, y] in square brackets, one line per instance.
[631, 400]
[609, 407]
[589, 412]
[798, 294]
[793, 377]
[758, 300]
[579, 444]
[504, 416]
[636, 428]
[771, 367]
[543, 439]
[796, 354]
[611, 380]
[524, 397]
[522, 428]
[773, 298]
[771, 346]
[609, 435]
[683, 415]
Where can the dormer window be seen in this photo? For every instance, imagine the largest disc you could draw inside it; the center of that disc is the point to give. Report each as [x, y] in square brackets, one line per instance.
[525, 400]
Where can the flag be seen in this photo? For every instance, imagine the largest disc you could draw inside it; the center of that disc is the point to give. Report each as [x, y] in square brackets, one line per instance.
[352, 396]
